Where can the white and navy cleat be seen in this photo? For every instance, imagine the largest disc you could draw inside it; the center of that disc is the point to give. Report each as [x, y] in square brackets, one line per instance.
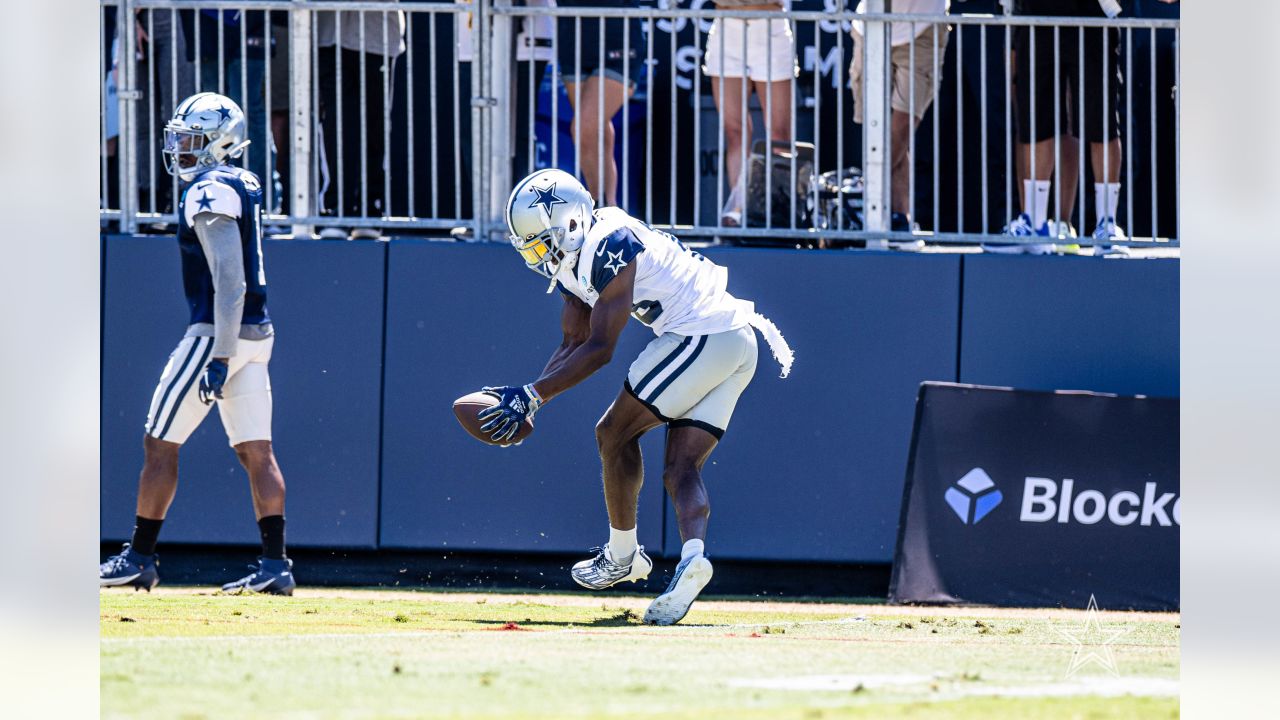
[273, 577]
[129, 568]
[602, 570]
[692, 574]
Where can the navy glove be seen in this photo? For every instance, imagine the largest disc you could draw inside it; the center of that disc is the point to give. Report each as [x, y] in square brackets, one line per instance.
[515, 405]
[211, 382]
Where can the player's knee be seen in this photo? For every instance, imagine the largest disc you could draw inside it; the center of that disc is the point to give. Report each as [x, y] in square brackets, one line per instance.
[159, 453]
[607, 436]
[256, 455]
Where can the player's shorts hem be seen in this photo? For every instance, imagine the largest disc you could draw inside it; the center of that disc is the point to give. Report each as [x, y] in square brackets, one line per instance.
[690, 422]
[241, 440]
[626, 384]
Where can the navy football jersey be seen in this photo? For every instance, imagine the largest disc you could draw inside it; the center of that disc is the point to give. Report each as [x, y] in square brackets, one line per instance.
[236, 193]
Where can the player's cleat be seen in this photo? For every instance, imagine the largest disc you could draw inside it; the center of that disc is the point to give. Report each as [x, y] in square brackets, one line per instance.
[129, 568]
[274, 577]
[602, 571]
[692, 574]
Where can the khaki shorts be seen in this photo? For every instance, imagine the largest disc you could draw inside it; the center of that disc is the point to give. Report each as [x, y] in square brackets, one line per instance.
[900, 77]
[245, 407]
[694, 379]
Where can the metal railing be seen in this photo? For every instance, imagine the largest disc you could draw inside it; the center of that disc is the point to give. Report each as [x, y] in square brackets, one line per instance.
[418, 116]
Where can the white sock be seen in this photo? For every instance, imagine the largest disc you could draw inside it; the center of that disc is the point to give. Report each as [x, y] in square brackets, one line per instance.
[691, 548]
[1106, 198]
[1035, 201]
[622, 544]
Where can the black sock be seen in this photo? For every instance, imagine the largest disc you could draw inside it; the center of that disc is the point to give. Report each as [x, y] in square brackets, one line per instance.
[272, 528]
[145, 533]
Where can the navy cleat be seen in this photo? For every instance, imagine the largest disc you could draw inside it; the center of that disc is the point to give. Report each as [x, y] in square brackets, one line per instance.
[129, 568]
[269, 576]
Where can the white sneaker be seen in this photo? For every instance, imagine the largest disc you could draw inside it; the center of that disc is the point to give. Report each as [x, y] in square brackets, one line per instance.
[669, 608]
[366, 234]
[333, 233]
[602, 570]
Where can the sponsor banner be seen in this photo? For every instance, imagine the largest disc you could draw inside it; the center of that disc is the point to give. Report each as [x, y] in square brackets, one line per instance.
[1040, 499]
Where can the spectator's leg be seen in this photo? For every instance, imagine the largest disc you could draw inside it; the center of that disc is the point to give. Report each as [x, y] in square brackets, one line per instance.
[778, 93]
[1102, 125]
[352, 185]
[1108, 153]
[1069, 172]
[727, 93]
[901, 125]
[376, 107]
[592, 126]
[327, 75]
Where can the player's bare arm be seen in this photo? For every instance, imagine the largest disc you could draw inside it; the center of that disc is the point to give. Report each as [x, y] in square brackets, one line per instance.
[608, 317]
[606, 320]
[575, 324]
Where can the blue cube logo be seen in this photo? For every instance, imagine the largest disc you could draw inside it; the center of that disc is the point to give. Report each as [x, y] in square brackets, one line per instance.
[973, 496]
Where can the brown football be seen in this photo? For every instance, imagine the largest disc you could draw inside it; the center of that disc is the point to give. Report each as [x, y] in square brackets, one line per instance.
[467, 407]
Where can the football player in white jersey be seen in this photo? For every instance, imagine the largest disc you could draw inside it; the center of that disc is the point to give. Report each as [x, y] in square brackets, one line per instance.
[608, 266]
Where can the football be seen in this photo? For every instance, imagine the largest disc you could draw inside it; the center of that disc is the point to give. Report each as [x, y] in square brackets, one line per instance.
[467, 407]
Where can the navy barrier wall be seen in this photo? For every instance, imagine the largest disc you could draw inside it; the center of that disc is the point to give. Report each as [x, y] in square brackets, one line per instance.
[1071, 323]
[811, 468]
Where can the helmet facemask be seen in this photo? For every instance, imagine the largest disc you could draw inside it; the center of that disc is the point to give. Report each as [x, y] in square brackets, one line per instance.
[184, 151]
[555, 247]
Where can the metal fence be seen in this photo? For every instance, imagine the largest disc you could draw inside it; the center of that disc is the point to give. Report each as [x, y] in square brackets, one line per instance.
[418, 116]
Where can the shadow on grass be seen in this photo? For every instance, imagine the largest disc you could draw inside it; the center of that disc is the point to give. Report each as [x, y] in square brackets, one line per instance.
[626, 618]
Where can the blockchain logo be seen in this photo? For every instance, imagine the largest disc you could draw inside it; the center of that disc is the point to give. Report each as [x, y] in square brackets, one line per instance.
[973, 496]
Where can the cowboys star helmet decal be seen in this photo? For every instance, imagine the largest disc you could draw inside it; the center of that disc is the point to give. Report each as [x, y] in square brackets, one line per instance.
[546, 198]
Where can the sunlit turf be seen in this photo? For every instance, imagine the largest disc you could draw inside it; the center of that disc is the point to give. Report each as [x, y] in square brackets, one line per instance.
[191, 653]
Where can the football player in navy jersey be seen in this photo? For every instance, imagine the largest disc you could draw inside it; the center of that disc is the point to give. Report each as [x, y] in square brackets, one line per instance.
[224, 354]
[608, 266]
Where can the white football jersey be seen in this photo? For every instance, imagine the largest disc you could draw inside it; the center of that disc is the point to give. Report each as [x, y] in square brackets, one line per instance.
[676, 289]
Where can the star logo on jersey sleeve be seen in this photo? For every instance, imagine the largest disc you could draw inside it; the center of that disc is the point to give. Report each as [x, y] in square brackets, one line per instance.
[547, 199]
[615, 263]
[204, 201]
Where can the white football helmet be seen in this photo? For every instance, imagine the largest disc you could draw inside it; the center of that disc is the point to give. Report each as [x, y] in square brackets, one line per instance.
[548, 215]
[206, 130]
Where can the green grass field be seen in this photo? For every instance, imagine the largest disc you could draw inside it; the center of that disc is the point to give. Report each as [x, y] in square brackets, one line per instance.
[193, 653]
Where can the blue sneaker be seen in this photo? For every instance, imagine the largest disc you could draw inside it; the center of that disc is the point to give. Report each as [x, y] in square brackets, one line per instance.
[1108, 230]
[274, 577]
[1021, 227]
[129, 568]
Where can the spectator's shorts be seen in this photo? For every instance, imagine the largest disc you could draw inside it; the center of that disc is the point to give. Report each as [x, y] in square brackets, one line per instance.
[900, 59]
[620, 57]
[1102, 77]
[770, 50]
[694, 379]
[245, 407]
